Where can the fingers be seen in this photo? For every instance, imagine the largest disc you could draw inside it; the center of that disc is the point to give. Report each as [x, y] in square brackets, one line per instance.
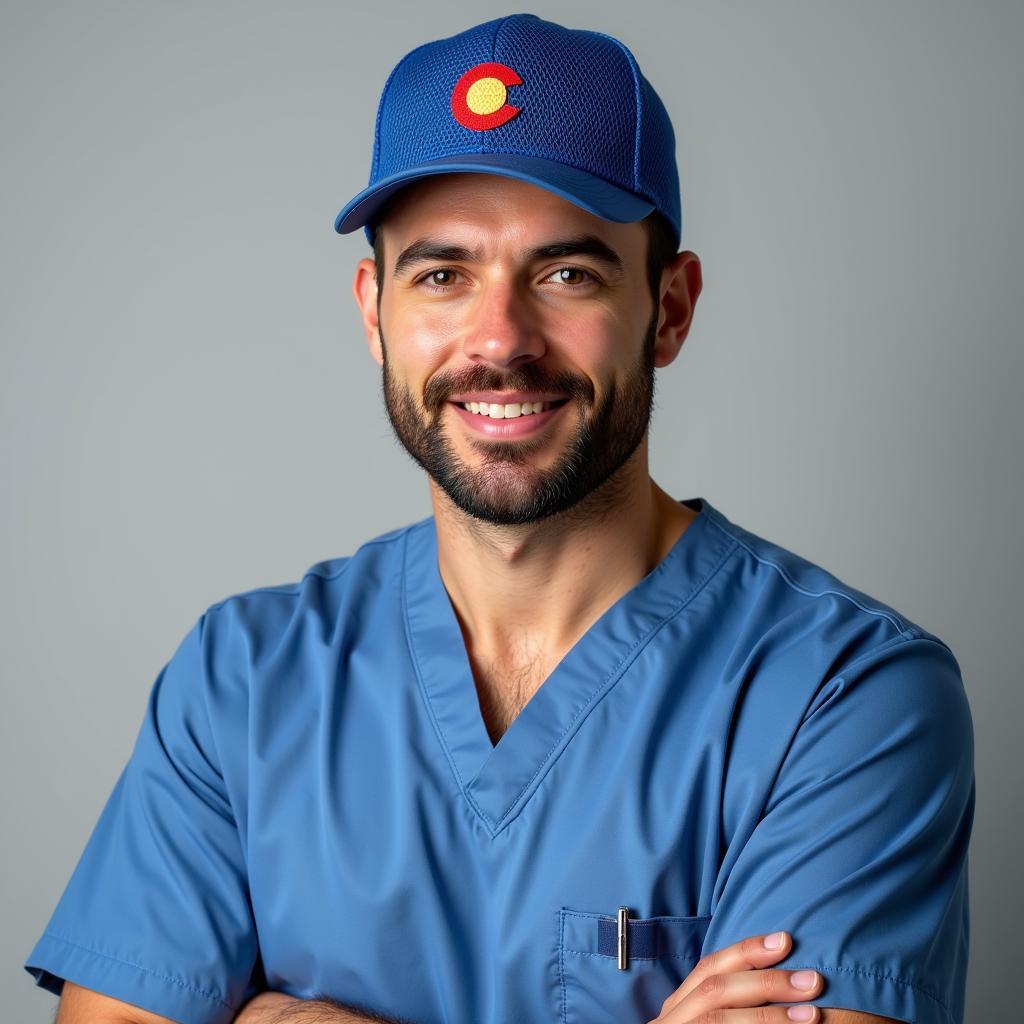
[748, 954]
[753, 988]
[757, 1015]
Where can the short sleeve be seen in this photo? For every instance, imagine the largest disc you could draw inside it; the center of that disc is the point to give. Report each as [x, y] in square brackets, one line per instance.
[157, 911]
[861, 851]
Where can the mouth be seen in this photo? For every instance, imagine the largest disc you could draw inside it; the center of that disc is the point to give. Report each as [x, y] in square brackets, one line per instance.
[510, 420]
[509, 410]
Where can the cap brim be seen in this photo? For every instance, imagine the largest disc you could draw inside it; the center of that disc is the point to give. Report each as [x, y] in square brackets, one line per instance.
[593, 194]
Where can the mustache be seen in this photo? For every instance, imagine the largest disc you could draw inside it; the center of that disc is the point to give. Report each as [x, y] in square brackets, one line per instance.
[486, 378]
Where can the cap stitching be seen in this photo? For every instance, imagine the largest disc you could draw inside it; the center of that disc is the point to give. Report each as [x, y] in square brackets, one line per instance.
[494, 56]
[380, 108]
[637, 95]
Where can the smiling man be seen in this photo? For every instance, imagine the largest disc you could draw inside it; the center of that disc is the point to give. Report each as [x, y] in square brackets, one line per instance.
[520, 403]
[570, 748]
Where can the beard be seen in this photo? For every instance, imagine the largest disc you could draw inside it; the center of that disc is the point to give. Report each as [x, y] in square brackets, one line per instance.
[505, 488]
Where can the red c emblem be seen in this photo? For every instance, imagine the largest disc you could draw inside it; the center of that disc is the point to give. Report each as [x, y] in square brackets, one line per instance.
[479, 99]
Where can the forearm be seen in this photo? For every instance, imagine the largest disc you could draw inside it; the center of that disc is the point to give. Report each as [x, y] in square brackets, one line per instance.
[278, 1008]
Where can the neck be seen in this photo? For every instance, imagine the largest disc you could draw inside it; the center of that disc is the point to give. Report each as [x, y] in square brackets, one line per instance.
[540, 586]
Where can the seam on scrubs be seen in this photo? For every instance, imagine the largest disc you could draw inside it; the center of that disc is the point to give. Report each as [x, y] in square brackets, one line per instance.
[608, 683]
[284, 589]
[908, 636]
[231, 817]
[898, 623]
[147, 970]
[425, 695]
[216, 606]
[561, 958]
[639, 921]
[294, 589]
[895, 979]
[653, 959]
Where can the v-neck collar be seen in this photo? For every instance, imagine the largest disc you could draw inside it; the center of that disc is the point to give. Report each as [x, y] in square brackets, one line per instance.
[498, 779]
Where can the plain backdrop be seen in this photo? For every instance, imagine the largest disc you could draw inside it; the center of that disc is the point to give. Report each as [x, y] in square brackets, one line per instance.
[189, 409]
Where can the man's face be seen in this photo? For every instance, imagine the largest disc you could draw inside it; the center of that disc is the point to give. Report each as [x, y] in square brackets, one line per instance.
[500, 292]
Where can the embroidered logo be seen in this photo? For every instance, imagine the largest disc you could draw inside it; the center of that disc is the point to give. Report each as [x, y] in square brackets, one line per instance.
[480, 97]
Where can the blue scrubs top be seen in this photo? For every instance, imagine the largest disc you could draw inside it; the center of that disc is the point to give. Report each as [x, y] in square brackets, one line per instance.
[741, 743]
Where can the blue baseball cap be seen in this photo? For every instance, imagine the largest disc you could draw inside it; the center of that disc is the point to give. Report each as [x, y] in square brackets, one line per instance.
[566, 109]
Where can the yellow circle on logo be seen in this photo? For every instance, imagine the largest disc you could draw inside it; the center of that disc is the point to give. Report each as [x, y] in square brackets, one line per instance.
[486, 96]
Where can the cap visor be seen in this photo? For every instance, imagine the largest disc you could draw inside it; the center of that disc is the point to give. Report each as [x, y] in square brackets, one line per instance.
[593, 194]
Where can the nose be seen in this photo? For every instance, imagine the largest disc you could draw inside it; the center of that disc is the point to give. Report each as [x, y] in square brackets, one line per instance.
[501, 328]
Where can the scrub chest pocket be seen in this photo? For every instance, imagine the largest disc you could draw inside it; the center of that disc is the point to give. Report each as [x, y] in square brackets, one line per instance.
[593, 990]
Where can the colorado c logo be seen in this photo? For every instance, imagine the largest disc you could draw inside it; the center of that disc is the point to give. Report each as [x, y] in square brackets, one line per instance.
[479, 99]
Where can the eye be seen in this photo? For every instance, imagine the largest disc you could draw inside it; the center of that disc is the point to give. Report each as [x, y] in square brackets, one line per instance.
[430, 279]
[564, 273]
[441, 279]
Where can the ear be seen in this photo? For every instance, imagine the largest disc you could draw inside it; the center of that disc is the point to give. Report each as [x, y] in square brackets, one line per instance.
[364, 288]
[681, 283]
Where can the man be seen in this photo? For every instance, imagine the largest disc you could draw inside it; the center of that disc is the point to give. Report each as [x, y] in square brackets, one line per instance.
[569, 748]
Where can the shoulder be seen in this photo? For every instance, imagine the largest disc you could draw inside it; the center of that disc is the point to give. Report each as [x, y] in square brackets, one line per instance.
[265, 640]
[326, 591]
[825, 659]
[266, 651]
[797, 605]
[798, 583]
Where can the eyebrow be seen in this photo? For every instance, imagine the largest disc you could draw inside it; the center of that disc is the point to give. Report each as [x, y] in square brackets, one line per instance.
[427, 249]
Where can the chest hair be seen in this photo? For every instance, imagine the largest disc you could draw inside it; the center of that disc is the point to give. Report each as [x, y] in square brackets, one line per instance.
[504, 690]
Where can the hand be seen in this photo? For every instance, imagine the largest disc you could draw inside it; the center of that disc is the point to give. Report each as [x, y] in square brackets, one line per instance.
[738, 976]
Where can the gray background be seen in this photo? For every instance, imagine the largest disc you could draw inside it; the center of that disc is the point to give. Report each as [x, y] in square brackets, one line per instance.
[189, 408]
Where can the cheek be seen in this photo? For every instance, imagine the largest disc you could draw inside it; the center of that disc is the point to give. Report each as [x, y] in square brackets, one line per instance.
[599, 346]
[422, 337]
[415, 350]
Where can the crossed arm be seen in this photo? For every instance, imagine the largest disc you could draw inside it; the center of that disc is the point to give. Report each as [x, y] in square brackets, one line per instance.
[716, 991]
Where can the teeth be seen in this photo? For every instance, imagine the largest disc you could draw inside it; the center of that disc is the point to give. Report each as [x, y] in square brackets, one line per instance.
[505, 412]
